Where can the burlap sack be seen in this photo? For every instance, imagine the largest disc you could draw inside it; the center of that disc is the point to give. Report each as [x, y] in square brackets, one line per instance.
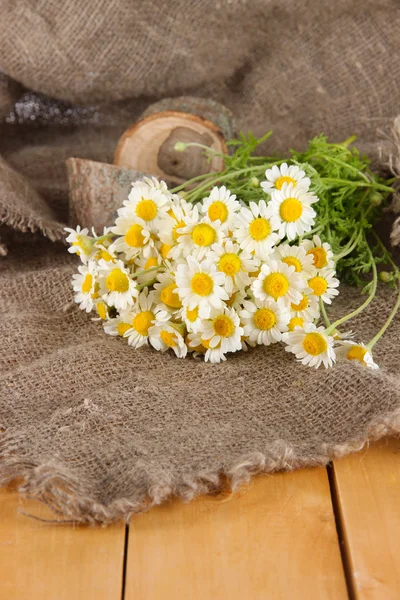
[90, 426]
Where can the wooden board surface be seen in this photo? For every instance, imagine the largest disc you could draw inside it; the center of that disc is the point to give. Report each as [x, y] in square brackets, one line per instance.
[40, 561]
[276, 539]
[368, 492]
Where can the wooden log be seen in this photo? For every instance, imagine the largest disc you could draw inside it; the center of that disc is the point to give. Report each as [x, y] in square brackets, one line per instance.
[149, 144]
[97, 190]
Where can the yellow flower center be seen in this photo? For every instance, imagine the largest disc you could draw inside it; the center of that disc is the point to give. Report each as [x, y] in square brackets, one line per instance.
[302, 305]
[295, 322]
[223, 326]
[175, 233]
[122, 328]
[168, 338]
[314, 343]
[206, 344]
[87, 284]
[276, 285]
[202, 284]
[264, 319]
[143, 321]
[291, 210]
[146, 210]
[260, 229]
[320, 257]
[117, 281]
[218, 211]
[230, 264]
[284, 179]
[101, 310]
[318, 285]
[203, 234]
[164, 250]
[292, 261]
[151, 262]
[134, 236]
[170, 297]
[356, 353]
[192, 315]
[104, 255]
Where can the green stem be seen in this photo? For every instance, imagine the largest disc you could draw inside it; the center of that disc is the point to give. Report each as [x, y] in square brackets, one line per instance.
[349, 247]
[380, 333]
[147, 284]
[344, 182]
[158, 267]
[322, 308]
[364, 305]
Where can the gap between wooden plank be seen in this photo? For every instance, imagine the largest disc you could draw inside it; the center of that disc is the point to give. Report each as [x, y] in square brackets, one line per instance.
[340, 528]
[275, 538]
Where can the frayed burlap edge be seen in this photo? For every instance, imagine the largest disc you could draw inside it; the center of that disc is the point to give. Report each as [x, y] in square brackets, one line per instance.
[13, 219]
[67, 500]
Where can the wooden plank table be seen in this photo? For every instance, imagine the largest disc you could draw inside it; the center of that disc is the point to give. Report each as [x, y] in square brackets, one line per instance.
[321, 533]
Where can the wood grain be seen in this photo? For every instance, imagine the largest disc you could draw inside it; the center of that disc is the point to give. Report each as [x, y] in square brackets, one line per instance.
[41, 561]
[368, 494]
[276, 539]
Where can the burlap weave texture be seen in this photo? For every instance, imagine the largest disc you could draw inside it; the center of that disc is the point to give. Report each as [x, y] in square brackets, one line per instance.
[94, 428]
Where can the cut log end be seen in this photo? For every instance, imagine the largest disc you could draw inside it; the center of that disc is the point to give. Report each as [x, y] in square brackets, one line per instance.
[149, 146]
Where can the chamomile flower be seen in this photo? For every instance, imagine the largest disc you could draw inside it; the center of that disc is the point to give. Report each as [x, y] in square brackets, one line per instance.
[164, 336]
[201, 347]
[293, 208]
[279, 282]
[321, 253]
[136, 237]
[352, 351]
[84, 285]
[324, 285]
[117, 287]
[311, 345]
[179, 214]
[146, 203]
[102, 251]
[101, 309]
[255, 231]
[276, 177]
[296, 257]
[148, 264]
[200, 235]
[307, 308]
[144, 315]
[220, 205]
[263, 321]
[120, 324]
[166, 291]
[222, 330]
[191, 318]
[296, 322]
[235, 263]
[80, 243]
[200, 284]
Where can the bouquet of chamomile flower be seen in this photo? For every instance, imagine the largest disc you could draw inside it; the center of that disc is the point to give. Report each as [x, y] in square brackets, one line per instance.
[248, 257]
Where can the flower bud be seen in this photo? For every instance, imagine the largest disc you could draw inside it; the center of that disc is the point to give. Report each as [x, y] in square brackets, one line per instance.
[255, 182]
[376, 199]
[385, 276]
[180, 146]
